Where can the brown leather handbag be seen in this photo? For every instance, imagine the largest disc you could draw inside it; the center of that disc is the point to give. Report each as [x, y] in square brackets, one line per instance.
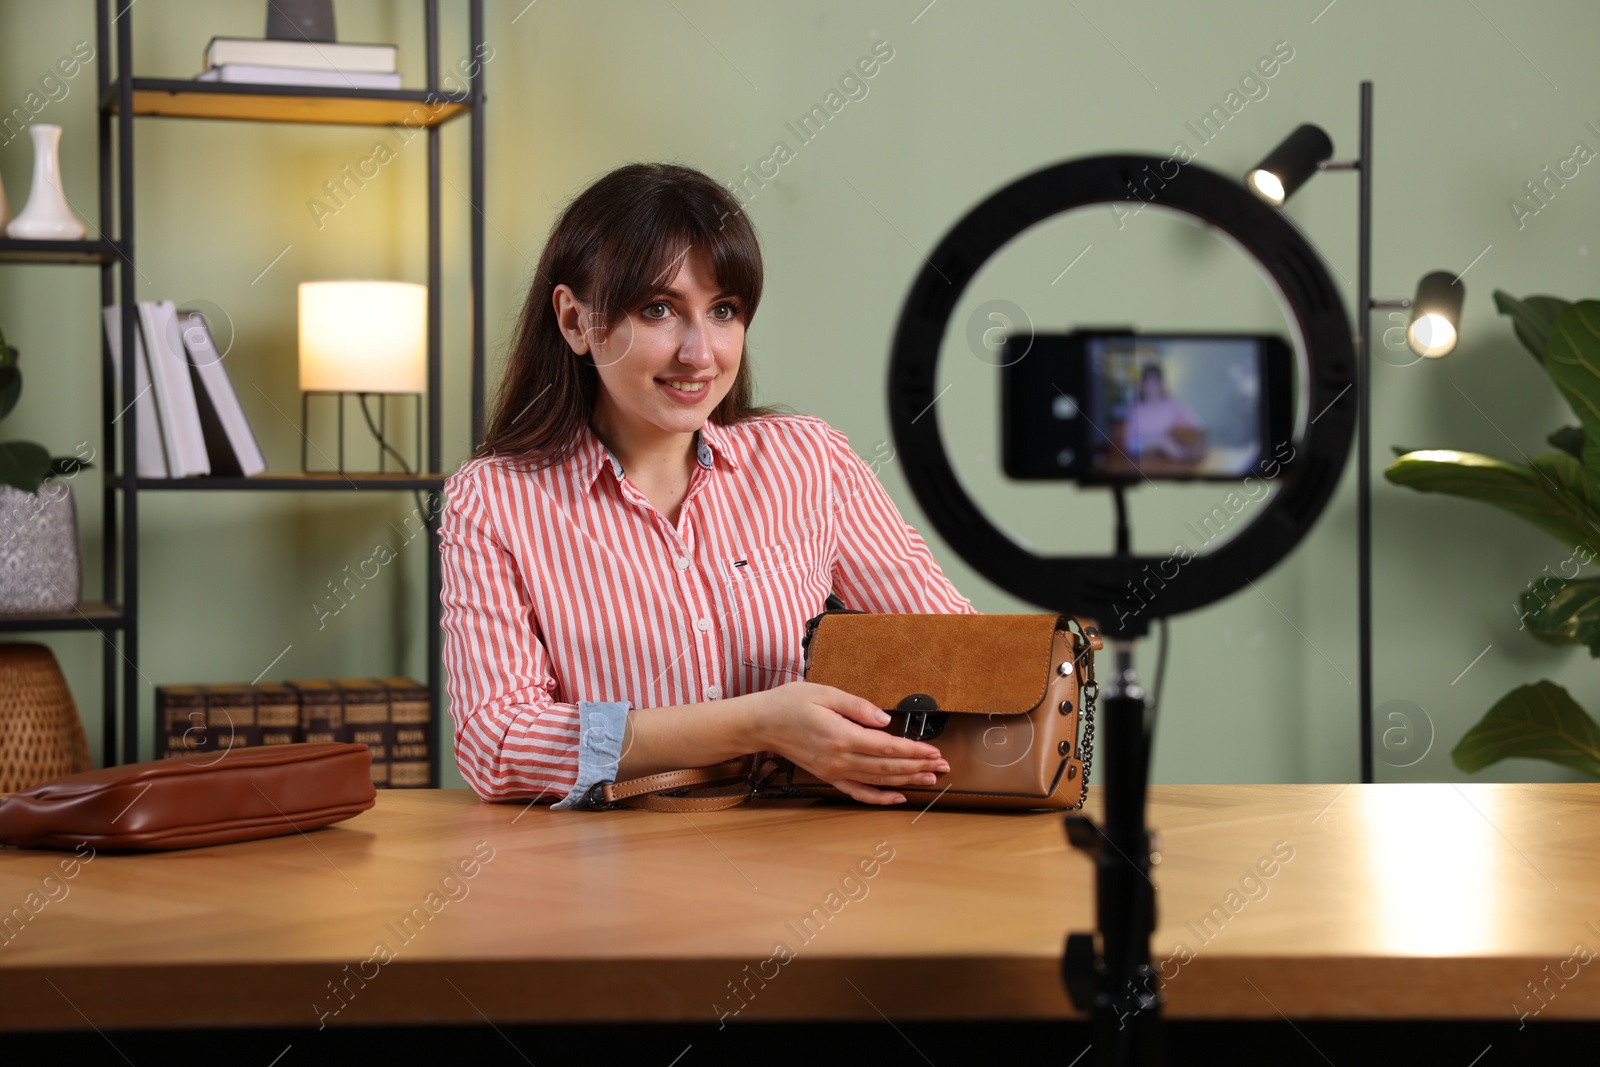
[212, 798]
[1001, 696]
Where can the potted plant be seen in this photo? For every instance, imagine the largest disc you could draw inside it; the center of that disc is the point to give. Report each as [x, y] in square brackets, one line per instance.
[1559, 492]
[40, 570]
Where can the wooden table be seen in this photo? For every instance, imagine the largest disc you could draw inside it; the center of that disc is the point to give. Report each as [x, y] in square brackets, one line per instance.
[1306, 901]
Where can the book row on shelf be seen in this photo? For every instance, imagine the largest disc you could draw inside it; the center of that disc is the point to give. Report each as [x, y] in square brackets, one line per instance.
[390, 716]
[190, 421]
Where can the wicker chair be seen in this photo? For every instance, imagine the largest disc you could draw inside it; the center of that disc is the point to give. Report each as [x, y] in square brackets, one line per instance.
[41, 736]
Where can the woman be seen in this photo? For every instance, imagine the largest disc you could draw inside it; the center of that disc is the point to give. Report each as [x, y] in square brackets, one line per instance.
[630, 557]
[1162, 424]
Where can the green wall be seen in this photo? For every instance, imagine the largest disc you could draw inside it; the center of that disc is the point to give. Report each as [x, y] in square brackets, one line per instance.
[1471, 102]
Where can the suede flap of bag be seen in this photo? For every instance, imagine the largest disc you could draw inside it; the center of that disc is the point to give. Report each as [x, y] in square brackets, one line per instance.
[1001, 667]
[209, 798]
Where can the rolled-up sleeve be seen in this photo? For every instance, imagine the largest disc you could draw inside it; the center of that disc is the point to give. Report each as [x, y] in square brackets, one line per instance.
[881, 564]
[601, 726]
[514, 737]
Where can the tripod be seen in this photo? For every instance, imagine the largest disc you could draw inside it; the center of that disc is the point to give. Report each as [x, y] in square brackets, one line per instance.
[1110, 972]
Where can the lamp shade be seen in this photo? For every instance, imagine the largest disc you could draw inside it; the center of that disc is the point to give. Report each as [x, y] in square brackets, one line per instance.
[363, 337]
[1288, 166]
[1436, 314]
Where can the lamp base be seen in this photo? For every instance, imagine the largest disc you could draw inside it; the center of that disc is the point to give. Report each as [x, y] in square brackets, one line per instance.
[384, 447]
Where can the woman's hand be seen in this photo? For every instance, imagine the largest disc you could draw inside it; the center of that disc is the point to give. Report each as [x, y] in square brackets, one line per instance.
[825, 730]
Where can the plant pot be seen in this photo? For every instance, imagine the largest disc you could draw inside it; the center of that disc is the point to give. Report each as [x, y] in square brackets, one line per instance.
[40, 569]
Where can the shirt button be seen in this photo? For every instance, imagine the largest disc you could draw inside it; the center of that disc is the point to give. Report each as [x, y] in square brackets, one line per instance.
[683, 563]
[713, 692]
[702, 624]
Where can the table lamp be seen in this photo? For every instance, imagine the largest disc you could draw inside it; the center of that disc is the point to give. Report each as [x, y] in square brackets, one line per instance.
[362, 337]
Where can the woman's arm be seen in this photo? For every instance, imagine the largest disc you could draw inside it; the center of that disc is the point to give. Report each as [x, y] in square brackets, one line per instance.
[882, 565]
[1187, 436]
[821, 728]
[513, 738]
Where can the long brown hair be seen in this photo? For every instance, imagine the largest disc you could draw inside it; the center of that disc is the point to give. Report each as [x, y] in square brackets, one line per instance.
[615, 245]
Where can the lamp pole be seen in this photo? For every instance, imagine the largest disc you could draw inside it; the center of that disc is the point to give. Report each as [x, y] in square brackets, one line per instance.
[1364, 429]
[1365, 306]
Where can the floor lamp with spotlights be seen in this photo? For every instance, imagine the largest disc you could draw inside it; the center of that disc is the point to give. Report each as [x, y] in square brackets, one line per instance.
[1432, 332]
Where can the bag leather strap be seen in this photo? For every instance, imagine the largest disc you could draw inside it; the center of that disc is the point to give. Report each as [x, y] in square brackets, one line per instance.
[715, 788]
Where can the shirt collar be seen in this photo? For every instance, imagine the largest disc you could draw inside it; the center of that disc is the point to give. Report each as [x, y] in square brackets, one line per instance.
[712, 443]
[721, 444]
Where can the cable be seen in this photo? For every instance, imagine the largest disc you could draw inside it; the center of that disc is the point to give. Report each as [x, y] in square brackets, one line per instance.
[383, 444]
[1161, 668]
[1153, 704]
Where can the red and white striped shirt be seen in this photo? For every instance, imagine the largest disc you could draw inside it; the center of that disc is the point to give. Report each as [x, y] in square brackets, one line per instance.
[563, 585]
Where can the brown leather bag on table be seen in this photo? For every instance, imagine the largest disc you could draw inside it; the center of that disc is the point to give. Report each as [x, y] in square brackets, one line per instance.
[1001, 696]
[210, 798]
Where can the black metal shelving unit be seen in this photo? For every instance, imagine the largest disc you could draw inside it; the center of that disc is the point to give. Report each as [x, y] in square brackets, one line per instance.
[123, 98]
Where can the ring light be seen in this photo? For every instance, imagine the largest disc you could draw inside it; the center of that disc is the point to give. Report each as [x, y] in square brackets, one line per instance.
[1094, 584]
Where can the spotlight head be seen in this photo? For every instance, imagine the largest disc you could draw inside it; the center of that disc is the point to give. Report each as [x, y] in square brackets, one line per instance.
[1288, 166]
[1267, 186]
[1436, 315]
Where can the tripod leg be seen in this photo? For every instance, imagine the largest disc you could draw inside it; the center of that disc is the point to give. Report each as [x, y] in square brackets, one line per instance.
[1127, 991]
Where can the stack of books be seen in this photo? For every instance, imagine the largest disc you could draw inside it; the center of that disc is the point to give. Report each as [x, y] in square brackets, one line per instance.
[390, 716]
[190, 420]
[318, 63]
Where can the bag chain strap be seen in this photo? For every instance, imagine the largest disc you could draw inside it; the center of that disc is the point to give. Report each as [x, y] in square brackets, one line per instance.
[1090, 691]
[1083, 660]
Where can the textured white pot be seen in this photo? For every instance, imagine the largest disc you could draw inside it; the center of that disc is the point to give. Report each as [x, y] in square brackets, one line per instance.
[40, 569]
[48, 216]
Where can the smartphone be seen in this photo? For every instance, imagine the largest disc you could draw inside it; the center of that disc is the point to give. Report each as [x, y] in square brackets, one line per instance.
[1101, 407]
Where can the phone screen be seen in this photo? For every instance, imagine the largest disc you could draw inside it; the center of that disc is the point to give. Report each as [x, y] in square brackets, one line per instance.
[1174, 406]
[1120, 406]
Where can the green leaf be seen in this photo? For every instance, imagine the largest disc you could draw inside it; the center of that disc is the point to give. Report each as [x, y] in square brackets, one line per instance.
[1562, 612]
[67, 466]
[1557, 494]
[1572, 359]
[23, 465]
[1539, 721]
[10, 389]
[1531, 318]
[1569, 439]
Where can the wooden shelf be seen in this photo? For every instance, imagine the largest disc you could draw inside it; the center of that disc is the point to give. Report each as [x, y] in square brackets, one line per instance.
[183, 98]
[13, 250]
[295, 482]
[89, 615]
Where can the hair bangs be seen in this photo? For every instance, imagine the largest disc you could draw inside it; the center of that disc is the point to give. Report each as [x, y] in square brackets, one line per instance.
[643, 257]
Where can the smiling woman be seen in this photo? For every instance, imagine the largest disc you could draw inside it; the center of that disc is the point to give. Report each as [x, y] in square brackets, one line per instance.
[630, 557]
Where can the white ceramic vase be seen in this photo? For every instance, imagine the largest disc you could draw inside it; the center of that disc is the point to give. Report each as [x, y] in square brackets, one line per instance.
[47, 216]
